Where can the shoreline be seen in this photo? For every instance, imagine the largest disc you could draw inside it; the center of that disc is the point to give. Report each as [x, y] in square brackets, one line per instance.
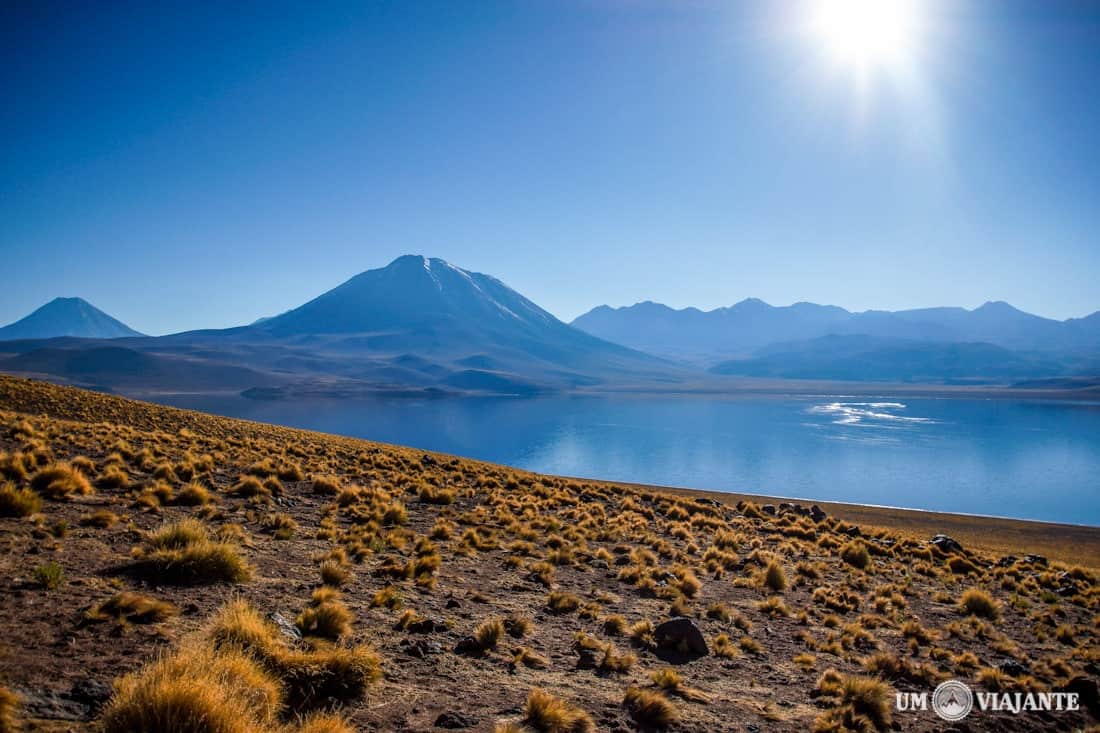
[1074, 544]
[1069, 543]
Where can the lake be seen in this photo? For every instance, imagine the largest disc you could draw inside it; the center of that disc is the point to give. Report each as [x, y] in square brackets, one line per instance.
[1011, 458]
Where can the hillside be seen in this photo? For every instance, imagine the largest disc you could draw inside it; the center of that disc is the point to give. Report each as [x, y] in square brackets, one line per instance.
[251, 575]
[67, 317]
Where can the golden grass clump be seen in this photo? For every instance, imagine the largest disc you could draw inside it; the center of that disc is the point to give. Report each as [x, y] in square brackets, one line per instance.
[61, 481]
[18, 502]
[976, 602]
[194, 494]
[649, 708]
[488, 634]
[859, 703]
[775, 578]
[548, 714]
[327, 617]
[559, 602]
[184, 553]
[855, 554]
[100, 518]
[334, 573]
[9, 707]
[311, 678]
[134, 608]
[196, 689]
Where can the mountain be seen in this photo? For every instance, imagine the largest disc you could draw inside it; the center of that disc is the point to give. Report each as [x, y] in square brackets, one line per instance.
[417, 324]
[67, 317]
[739, 331]
[873, 359]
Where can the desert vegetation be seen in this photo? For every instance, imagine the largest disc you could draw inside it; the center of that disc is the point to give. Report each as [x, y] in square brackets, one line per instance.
[253, 578]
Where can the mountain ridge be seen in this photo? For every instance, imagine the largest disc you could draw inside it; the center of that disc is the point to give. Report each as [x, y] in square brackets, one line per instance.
[739, 330]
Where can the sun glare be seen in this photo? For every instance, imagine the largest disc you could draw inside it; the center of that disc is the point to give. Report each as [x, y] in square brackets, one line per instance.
[867, 35]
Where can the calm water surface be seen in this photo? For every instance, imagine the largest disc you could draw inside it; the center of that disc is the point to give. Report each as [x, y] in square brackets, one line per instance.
[1026, 459]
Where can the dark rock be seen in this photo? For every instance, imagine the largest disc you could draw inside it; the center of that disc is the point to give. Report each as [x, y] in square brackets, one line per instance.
[1035, 560]
[468, 645]
[91, 692]
[51, 705]
[946, 545]
[682, 635]
[1006, 561]
[455, 721]
[426, 626]
[1013, 668]
[817, 514]
[1088, 694]
[768, 509]
[284, 625]
[587, 659]
[452, 603]
[853, 531]
[421, 648]
[428, 460]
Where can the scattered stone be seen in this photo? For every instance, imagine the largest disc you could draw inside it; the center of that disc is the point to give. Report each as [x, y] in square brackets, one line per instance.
[947, 545]
[455, 721]
[428, 460]
[681, 634]
[853, 531]
[587, 659]
[1013, 668]
[468, 645]
[768, 509]
[51, 705]
[452, 603]
[91, 692]
[421, 648]
[426, 626]
[1087, 691]
[285, 626]
[1035, 560]
[817, 514]
[1006, 561]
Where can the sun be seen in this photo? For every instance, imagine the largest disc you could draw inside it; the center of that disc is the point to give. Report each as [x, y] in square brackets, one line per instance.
[867, 35]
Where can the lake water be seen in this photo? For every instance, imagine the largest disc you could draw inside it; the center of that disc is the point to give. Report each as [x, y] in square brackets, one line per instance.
[1024, 459]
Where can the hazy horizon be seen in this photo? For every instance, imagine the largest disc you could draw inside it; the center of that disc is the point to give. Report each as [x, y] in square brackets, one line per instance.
[186, 167]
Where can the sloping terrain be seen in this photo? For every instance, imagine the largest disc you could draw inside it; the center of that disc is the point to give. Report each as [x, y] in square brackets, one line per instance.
[253, 577]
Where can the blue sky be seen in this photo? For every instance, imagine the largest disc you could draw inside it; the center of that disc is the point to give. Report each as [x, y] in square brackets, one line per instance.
[190, 165]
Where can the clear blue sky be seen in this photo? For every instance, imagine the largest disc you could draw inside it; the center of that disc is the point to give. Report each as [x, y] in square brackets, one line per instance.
[184, 165]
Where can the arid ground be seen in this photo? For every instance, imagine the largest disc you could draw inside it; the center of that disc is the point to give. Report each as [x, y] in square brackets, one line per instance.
[173, 571]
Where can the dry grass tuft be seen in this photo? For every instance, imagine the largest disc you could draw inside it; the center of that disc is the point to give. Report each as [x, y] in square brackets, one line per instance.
[548, 714]
[9, 706]
[61, 481]
[976, 602]
[18, 502]
[184, 553]
[134, 608]
[649, 708]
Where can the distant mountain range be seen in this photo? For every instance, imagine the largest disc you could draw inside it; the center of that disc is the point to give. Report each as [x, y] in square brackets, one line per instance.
[67, 317]
[425, 326]
[418, 324]
[739, 331]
